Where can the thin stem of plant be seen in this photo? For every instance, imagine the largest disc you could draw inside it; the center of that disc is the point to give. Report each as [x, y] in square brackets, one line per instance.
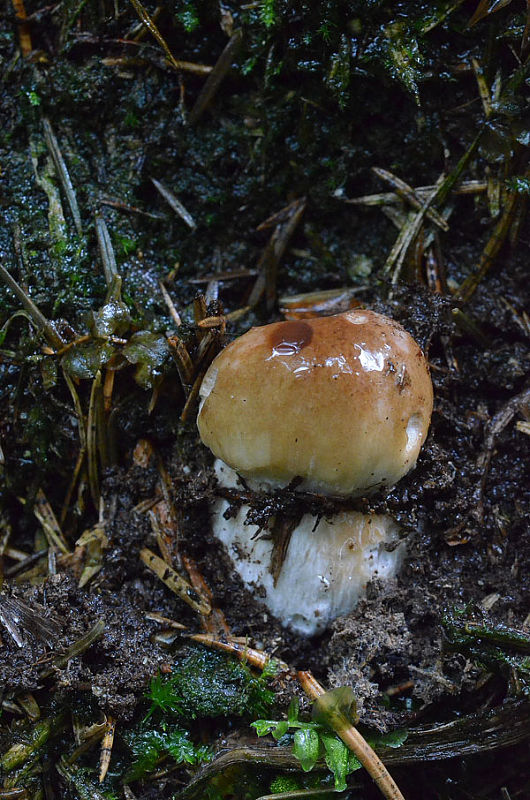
[354, 741]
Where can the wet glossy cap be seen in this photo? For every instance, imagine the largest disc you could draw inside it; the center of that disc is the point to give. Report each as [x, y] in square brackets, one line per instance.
[343, 402]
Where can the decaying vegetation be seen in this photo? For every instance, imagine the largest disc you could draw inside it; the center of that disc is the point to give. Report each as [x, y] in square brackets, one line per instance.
[170, 176]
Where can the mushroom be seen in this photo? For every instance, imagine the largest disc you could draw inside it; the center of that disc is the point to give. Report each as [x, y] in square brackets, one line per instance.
[340, 405]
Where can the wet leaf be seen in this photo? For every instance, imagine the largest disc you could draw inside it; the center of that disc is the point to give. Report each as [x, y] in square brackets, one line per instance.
[337, 758]
[48, 370]
[83, 361]
[306, 747]
[292, 712]
[393, 739]
[280, 730]
[337, 702]
[112, 318]
[148, 351]
[496, 144]
[518, 184]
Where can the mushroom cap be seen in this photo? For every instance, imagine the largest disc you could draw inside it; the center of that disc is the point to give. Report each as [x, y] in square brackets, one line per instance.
[341, 402]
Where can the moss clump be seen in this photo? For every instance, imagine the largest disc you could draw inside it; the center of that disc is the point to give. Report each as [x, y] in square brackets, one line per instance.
[205, 683]
[149, 747]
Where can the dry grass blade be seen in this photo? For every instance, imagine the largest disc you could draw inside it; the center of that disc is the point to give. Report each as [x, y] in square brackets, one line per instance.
[93, 422]
[106, 251]
[170, 305]
[354, 741]
[300, 794]
[189, 405]
[93, 541]
[216, 77]
[468, 325]
[491, 250]
[62, 171]
[386, 198]
[44, 513]
[106, 748]
[186, 66]
[215, 623]
[175, 204]
[256, 658]
[27, 701]
[174, 581]
[409, 233]
[16, 615]
[88, 741]
[166, 535]
[398, 252]
[483, 88]
[121, 206]
[286, 223]
[78, 647]
[233, 275]
[182, 359]
[486, 7]
[519, 403]
[453, 178]
[24, 35]
[407, 193]
[154, 616]
[36, 315]
[23, 565]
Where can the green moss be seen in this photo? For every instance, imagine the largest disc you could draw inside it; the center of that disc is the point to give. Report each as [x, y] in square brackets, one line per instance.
[149, 747]
[205, 683]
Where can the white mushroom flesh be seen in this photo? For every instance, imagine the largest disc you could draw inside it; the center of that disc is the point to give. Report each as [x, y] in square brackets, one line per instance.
[328, 564]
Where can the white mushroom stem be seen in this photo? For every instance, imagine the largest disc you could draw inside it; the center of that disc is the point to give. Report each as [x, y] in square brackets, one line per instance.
[328, 565]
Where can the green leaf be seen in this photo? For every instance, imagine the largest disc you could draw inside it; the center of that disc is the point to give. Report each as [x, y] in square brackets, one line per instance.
[264, 726]
[393, 739]
[333, 705]
[292, 711]
[353, 763]
[112, 318]
[148, 351]
[337, 758]
[84, 360]
[268, 13]
[280, 730]
[306, 747]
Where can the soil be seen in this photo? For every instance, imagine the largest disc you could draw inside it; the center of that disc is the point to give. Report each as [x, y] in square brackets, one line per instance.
[464, 509]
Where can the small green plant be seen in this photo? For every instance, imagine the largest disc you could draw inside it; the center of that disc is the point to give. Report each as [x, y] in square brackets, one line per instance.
[268, 13]
[188, 17]
[149, 747]
[312, 741]
[125, 245]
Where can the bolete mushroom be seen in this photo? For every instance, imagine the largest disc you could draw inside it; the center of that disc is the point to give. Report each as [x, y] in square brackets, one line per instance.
[342, 404]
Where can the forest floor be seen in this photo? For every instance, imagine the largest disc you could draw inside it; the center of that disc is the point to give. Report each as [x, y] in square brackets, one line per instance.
[162, 191]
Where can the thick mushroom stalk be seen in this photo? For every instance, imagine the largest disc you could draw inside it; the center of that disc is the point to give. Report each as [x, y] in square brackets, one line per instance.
[342, 404]
[327, 567]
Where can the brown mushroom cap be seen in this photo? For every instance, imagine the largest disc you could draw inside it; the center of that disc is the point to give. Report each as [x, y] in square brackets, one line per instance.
[343, 402]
